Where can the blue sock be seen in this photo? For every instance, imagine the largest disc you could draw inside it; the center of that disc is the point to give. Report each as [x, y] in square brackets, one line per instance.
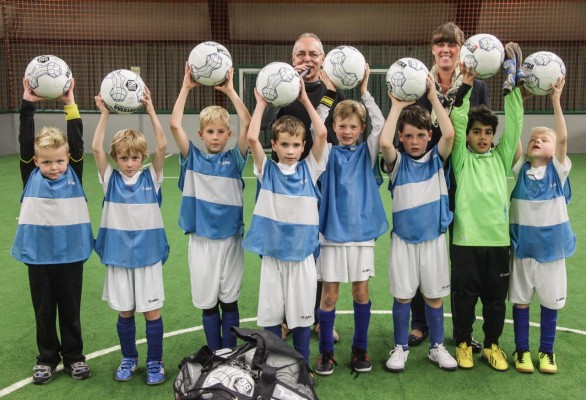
[549, 319]
[361, 324]
[126, 328]
[229, 319]
[211, 327]
[401, 323]
[276, 329]
[301, 336]
[326, 329]
[435, 321]
[521, 328]
[154, 336]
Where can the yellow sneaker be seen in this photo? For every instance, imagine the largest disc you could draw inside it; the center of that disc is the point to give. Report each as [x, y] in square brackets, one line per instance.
[464, 356]
[523, 362]
[547, 363]
[495, 357]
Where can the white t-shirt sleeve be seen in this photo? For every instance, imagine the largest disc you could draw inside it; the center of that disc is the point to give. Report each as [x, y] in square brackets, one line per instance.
[107, 175]
[315, 168]
[260, 174]
[563, 170]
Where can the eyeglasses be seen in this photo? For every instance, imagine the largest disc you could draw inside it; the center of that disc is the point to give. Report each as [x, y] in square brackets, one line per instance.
[312, 54]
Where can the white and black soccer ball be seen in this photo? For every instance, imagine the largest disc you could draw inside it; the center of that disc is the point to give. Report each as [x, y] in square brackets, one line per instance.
[209, 63]
[345, 67]
[542, 69]
[407, 79]
[232, 376]
[122, 91]
[278, 83]
[48, 76]
[484, 53]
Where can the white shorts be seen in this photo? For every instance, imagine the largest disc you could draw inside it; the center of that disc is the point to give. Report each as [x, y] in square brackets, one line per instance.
[140, 289]
[345, 263]
[216, 268]
[287, 290]
[547, 279]
[424, 265]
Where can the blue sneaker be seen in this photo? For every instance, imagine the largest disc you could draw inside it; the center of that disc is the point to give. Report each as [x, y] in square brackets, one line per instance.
[155, 372]
[126, 369]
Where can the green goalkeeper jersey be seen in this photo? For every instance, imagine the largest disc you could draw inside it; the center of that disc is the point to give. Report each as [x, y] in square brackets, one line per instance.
[481, 216]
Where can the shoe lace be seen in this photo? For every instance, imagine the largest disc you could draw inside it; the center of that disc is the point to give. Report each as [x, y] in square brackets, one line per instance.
[359, 355]
[549, 357]
[520, 356]
[327, 357]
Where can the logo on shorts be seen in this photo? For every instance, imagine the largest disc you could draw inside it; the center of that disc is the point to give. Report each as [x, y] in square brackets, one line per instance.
[560, 299]
[306, 316]
[504, 275]
[365, 270]
[153, 300]
[446, 287]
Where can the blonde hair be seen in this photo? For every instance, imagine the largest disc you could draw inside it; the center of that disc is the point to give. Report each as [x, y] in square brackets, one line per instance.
[288, 124]
[544, 131]
[213, 114]
[308, 35]
[348, 108]
[127, 141]
[50, 138]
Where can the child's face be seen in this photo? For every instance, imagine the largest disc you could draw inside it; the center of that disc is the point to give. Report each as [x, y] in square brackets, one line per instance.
[541, 145]
[446, 55]
[348, 130]
[52, 162]
[288, 148]
[414, 140]
[129, 164]
[480, 137]
[215, 135]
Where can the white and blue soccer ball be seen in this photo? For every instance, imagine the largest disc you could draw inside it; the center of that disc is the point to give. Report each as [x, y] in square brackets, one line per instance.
[407, 79]
[48, 76]
[542, 69]
[278, 83]
[209, 63]
[345, 67]
[122, 91]
[484, 53]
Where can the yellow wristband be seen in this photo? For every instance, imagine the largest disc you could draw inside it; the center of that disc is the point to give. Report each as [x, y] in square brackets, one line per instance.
[71, 112]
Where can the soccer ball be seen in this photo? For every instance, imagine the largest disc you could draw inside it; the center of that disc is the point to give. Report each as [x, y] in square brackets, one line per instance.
[48, 76]
[122, 91]
[232, 376]
[484, 53]
[278, 83]
[209, 63]
[542, 69]
[407, 79]
[345, 67]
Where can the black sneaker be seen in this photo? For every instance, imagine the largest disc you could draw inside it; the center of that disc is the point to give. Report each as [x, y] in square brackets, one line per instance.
[325, 363]
[476, 346]
[360, 361]
[310, 375]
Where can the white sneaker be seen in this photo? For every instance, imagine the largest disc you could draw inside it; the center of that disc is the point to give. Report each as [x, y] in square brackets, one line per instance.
[440, 356]
[397, 360]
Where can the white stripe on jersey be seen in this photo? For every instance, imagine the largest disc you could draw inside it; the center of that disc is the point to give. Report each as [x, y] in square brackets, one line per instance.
[144, 216]
[532, 213]
[43, 211]
[288, 209]
[213, 189]
[413, 195]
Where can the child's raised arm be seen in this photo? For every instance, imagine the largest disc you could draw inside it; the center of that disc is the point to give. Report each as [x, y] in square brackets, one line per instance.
[444, 145]
[561, 132]
[388, 132]
[98, 141]
[160, 139]
[321, 132]
[177, 130]
[227, 87]
[256, 150]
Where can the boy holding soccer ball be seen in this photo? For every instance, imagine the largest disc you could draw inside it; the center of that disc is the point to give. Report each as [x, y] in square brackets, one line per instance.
[352, 217]
[480, 251]
[421, 216]
[211, 210]
[541, 235]
[131, 240]
[285, 222]
[54, 236]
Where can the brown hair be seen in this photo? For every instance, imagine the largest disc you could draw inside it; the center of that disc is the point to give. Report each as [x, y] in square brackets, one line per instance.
[416, 116]
[287, 124]
[448, 33]
[347, 108]
[127, 141]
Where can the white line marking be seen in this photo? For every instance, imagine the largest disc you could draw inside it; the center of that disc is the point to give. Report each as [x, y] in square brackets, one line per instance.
[14, 387]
